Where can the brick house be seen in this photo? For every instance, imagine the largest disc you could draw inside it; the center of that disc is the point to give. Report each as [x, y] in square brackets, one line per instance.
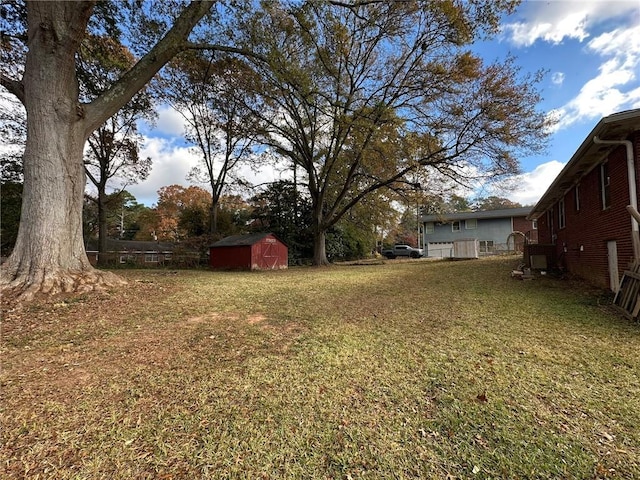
[583, 216]
[490, 230]
[131, 252]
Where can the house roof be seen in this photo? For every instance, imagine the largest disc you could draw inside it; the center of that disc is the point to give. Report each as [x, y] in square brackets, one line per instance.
[484, 214]
[588, 156]
[114, 245]
[243, 240]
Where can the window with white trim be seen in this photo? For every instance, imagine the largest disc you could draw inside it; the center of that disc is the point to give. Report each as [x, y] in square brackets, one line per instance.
[562, 218]
[127, 258]
[429, 227]
[151, 258]
[486, 246]
[471, 224]
[534, 224]
[455, 226]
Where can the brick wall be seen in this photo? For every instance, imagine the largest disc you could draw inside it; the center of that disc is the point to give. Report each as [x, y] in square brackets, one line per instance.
[521, 224]
[581, 246]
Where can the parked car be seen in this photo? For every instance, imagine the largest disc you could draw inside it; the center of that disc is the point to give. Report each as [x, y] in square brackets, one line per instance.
[403, 251]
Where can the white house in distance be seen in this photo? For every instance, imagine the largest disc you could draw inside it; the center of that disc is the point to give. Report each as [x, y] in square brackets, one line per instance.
[492, 231]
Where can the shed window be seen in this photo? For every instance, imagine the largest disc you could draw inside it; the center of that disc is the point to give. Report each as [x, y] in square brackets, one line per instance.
[605, 185]
[471, 224]
[429, 227]
[534, 224]
[455, 226]
[562, 219]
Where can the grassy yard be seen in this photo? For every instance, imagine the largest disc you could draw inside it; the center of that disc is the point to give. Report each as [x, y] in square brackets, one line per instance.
[400, 370]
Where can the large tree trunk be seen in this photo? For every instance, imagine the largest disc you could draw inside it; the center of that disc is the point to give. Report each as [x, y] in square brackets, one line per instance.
[319, 228]
[49, 254]
[320, 247]
[213, 218]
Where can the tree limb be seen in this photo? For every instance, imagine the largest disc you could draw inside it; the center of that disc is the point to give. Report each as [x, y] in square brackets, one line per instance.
[224, 48]
[14, 87]
[174, 41]
[355, 3]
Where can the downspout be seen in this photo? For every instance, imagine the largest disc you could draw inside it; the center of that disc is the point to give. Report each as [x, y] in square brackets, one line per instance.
[633, 195]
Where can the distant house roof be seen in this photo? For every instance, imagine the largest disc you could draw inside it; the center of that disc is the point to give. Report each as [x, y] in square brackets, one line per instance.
[133, 246]
[484, 214]
[614, 127]
[243, 240]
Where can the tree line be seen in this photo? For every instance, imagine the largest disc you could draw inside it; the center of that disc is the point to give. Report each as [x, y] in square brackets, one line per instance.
[362, 99]
[182, 215]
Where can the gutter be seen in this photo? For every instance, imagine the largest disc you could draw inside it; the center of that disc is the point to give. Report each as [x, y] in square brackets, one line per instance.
[633, 195]
[618, 125]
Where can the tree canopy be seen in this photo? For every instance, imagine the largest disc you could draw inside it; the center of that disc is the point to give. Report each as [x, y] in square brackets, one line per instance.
[363, 95]
[211, 97]
[360, 96]
[49, 254]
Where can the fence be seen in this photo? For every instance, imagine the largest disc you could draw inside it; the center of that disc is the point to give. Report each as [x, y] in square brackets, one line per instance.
[148, 259]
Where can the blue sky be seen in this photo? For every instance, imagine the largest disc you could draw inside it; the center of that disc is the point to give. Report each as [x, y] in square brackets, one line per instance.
[589, 49]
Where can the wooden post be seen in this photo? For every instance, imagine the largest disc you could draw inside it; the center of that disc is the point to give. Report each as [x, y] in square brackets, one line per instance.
[634, 233]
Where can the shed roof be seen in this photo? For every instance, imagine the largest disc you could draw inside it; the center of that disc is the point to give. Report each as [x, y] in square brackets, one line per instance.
[243, 240]
[484, 214]
[589, 154]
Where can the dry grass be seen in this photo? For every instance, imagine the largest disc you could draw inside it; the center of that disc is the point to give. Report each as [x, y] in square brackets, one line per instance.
[398, 370]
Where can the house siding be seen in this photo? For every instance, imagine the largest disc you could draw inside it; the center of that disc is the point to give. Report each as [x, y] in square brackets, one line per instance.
[581, 246]
[440, 242]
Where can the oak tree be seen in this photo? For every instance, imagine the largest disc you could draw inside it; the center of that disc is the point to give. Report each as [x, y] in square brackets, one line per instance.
[210, 95]
[112, 153]
[49, 254]
[370, 92]
[181, 212]
[493, 202]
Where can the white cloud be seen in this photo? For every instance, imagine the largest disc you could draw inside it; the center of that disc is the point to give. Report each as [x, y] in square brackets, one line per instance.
[615, 88]
[555, 21]
[527, 188]
[524, 34]
[169, 122]
[557, 78]
[618, 41]
[614, 51]
[171, 164]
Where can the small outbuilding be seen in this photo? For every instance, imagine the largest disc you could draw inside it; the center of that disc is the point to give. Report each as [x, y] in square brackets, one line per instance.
[257, 251]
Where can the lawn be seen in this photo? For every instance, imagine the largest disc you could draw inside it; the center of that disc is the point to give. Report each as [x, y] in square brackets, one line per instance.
[405, 369]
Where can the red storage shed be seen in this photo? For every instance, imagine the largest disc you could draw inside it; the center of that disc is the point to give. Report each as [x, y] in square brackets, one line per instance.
[258, 251]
